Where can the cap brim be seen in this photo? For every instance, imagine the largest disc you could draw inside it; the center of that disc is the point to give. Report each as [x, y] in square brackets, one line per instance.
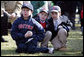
[25, 7]
[54, 11]
[44, 11]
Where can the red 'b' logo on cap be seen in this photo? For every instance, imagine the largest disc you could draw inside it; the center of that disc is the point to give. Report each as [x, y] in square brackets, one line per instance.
[53, 8]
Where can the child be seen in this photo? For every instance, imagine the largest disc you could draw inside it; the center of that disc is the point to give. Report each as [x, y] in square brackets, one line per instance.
[27, 32]
[42, 19]
[58, 29]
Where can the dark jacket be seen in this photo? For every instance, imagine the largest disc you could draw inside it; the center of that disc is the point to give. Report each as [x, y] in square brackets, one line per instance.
[21, 26]
[4, 24]
[52, 29]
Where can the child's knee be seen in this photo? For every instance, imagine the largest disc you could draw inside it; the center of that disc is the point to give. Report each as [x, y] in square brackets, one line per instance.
[62, 31]
[49, 33]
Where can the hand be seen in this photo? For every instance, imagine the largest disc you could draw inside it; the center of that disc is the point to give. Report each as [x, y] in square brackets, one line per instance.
[28, 34]
[13, 15]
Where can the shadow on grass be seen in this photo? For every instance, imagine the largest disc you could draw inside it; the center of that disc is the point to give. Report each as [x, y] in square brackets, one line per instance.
[75, 53]
[56, 53]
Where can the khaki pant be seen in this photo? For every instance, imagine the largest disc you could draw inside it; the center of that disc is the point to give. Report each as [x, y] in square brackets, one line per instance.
[60, 40]
[47, 38]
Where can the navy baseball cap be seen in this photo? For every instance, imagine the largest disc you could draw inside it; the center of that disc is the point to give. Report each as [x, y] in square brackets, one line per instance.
[27, 5]
[55, 9]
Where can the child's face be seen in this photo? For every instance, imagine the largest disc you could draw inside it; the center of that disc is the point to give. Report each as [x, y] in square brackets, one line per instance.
[54, 15]
[26, 12]
[43, 16]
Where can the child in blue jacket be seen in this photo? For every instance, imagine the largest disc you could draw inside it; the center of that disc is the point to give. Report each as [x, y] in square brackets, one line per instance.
[26, 31]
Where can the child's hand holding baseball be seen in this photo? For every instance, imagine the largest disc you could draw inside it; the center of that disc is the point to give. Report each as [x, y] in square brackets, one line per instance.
[28, 34]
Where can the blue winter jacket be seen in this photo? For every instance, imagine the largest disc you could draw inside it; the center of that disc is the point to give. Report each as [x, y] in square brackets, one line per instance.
[21, 26]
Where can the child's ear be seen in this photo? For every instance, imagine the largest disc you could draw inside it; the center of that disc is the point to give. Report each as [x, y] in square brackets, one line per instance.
[60, 13]
[32, 11]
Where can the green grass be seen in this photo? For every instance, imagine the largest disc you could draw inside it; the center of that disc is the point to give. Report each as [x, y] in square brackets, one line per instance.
[74, 46]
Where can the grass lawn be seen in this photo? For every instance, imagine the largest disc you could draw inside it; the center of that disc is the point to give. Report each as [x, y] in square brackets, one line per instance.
[74, 46]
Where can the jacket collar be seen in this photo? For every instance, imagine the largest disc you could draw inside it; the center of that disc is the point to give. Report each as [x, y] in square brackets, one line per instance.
[29, 18]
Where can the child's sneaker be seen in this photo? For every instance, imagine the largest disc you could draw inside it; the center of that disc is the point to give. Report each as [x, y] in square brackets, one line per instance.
[51, 50]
